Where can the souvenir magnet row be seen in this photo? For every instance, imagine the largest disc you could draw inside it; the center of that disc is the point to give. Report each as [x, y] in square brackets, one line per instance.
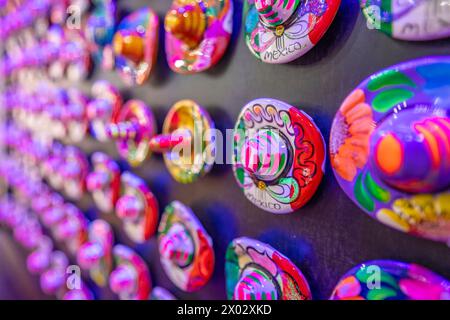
[64, 167]
[91, 244]
[185, 248]
[51, 266]
[390, 147]
[67, 168]
[197, 35]
[414, 20]
[256, 271]
[63, 53]
[129, 195]
[51, 112]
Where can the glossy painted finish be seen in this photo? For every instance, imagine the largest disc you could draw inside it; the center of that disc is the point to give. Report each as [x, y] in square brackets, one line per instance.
[413, 20]
[197, 34]
[137, 207]
[73, 59]
[256, 271]
[96, 254]
[280, 31]
[186, 141]
[74, 116]
[103, 109]
[389, 147]
[391, 280]
[72, 228]
[39, 259]
[185, 248]
[279, 155]
[104, 181]
[135, 45]
[53, 280]
[99, 31]
[130, 280]
[133, 130]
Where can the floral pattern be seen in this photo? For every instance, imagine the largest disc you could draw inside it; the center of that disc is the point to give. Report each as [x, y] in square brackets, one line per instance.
[387, 280]
[352, 129]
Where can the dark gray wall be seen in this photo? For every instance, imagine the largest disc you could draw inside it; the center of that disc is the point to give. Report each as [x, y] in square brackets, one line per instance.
[330, 234]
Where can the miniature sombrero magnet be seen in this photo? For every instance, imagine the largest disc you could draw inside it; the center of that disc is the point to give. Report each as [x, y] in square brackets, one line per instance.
[134, 127]
[279, 155]
[188, 150]
[185, 247]
[103, 109]
[256, 271]
[104, 181]
[72, 228]
[100, 31]
[96, 254]
[135, 45]
[390, 147]
[280, 31]
[74, 170]
[413, 20]
[74, 116]
[130, 280]
[197, 33]
[137, 207]
[391, 280]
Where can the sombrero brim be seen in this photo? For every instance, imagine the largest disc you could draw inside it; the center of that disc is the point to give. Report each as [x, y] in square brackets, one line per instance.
[300, 181]
[301, 33]
[419, 82]
[243, 252]
[199, 271]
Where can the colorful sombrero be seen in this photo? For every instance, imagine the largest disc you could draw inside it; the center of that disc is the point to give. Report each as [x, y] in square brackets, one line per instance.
[100, 30]
[391, 280]
[256, 271]
[137, 207]
[390, 147]
[280, 31]
[135, 126]
[135, 45]
[279, 155]
[185, 247]
[104, 181]
[187, 120]
[413, 20]
[103, 109]
[197, 33]
[96, 254]
[130, 280]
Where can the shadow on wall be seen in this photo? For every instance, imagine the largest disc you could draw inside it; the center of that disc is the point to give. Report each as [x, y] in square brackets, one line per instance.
[220, 222]
[298, 251]
[338, 33]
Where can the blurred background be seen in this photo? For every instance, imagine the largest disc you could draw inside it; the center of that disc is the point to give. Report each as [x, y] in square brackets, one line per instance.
[324, 239]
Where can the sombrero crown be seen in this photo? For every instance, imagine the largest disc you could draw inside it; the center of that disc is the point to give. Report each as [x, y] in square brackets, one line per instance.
[276, 12]
[187, 23]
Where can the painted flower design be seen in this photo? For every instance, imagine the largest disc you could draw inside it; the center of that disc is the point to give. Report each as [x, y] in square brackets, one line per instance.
[351, 129]
[422, 214]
